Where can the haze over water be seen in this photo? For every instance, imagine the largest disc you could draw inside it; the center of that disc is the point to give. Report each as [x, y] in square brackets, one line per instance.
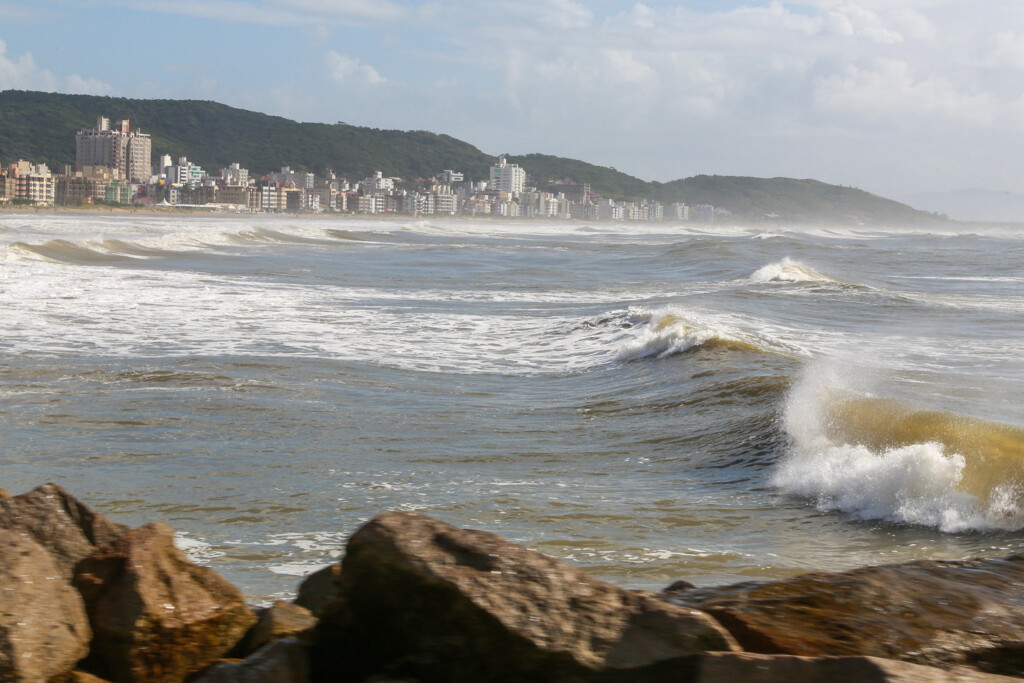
[649, 402]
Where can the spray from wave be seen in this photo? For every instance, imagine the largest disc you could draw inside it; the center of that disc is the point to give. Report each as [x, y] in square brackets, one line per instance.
[877, 458]
[788, 270]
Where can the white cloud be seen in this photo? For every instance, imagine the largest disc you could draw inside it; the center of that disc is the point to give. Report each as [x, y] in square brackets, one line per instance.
[349, 69]
[855, 21]
[22, 73]
[274, 12]
[890, 88]
[345, 9]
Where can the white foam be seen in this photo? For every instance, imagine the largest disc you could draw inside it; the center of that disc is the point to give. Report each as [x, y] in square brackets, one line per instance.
[195, 549]
[788, 270]
[298, 568]
[668, 331]
[911, 484]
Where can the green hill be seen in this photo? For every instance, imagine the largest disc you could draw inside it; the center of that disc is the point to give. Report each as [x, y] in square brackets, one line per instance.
[40, 127]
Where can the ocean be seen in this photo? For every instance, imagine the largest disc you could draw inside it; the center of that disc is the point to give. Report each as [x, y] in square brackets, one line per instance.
[649, 402]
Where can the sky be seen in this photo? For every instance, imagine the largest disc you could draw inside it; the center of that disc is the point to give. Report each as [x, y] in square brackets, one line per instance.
[894, 97]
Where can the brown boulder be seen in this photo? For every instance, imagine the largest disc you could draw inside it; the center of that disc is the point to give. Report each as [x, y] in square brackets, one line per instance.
[935, 613]
[155, 615]
[83, 677]
[281, 620]
[422, 598]
[317, 589]
[59, 522]
[282, 661]
[743, 667]
[43, 627]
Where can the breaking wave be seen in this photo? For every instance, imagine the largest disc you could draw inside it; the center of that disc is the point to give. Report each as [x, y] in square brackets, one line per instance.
[788, 270]
[878, 458]
[669, 331]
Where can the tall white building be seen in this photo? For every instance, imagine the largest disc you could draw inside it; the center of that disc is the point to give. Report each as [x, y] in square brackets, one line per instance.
[235, 174]
[378, 183]
[118, 147]
[506, 177]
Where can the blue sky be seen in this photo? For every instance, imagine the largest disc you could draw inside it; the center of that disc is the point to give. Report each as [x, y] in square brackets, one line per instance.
[893, 97]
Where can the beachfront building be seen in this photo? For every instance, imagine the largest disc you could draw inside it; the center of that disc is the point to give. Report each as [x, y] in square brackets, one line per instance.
[30, 182]
[235, 175]
[116, 147]
[506, 177]
[376, 184]
[184, 172]
[678, 211]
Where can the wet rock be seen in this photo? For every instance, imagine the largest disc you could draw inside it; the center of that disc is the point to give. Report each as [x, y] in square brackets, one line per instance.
[934, 613]
[418, 598]
[59, 522]
[281, 620]
[43, 626]
[155, 615]
[83, 677]
[317, 589]
[752, 668]
[282, 661]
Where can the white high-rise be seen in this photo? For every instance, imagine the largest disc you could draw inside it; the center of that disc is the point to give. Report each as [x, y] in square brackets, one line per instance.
[506, 177]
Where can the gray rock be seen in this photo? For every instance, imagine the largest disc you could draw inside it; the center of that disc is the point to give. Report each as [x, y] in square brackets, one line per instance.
[423, 599]
[59, 522]
[156, 616]
[43, 626]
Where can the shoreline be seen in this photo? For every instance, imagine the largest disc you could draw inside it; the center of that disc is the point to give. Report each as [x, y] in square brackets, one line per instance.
[417, 599]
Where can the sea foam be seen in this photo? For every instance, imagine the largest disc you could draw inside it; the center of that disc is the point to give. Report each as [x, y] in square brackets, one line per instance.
[879, 461]
[788, 270]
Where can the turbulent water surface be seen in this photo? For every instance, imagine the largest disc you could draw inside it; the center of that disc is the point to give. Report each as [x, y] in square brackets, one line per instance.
[647, 402]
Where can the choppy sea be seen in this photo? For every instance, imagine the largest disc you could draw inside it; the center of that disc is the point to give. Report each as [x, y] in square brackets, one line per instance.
[648, 402]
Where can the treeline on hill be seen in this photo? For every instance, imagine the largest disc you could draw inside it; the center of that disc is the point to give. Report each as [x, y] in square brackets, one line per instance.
[40, 127]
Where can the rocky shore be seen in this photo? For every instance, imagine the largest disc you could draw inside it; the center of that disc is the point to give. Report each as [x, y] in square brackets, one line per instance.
[86, 600]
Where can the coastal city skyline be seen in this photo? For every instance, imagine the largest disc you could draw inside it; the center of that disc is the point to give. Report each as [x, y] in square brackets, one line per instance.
[923, 97]
[113, 166]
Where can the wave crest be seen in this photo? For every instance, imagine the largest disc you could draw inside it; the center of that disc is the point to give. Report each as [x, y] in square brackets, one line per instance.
[669, 331]
[788, 270]
[877, 458]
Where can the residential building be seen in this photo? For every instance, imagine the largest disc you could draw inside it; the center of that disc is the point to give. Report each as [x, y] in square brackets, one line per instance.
[32, 182]
[678, 211]
[449, 176]
[234, 175]
[506, 177]
[118, 147]
[377, 183]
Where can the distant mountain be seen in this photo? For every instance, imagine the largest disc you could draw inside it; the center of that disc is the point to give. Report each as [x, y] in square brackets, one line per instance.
[40, 127]
[974, 205]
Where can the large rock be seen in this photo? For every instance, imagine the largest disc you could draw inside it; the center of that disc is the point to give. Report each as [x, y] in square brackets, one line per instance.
[282, 661]
[59, 522]
[723, 667]
[422, 598]
[317, 589]
[280, 620]
[155, 615]
[935, 613]
[43, 627]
